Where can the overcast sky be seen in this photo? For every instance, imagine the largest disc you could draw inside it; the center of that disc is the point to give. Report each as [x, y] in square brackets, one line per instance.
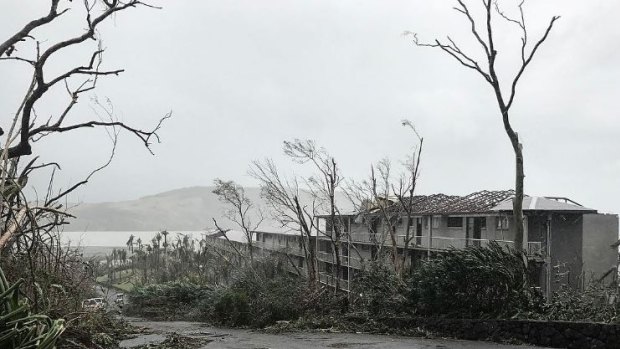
[242, 76]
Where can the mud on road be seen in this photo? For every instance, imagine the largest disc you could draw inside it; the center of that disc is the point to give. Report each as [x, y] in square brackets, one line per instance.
[194, 335]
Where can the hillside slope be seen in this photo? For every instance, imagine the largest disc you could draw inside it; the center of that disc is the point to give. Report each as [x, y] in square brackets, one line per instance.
[186, 209]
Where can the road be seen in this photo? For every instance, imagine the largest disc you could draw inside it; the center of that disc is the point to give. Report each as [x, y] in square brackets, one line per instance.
[217, 338]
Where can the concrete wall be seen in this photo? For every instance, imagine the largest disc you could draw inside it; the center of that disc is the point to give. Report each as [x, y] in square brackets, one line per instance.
[599, 232]
[566, 249]
[555, 334]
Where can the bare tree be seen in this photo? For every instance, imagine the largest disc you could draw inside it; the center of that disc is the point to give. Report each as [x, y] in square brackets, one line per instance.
[21, 215]
[283, 198]
[241, 208]
[406, 189]
[488, 70]
[323, 187]
[372, 199]
[384, 201]
[29, 223]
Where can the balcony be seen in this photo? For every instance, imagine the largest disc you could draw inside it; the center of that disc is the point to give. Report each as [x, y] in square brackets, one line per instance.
[345, 261]
[442, 243]
[330, 280]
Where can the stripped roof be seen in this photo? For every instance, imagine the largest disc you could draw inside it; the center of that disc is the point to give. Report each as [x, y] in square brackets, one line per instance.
[485, 201]
[478, 202]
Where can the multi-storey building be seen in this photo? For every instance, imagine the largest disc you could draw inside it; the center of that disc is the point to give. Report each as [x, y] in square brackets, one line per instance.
[566, 242]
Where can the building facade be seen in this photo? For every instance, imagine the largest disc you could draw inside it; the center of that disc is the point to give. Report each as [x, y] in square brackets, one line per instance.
[565, 242]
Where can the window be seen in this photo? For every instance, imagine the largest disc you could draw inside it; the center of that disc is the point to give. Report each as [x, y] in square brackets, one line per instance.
[436, 221]
[502, 223]
[455, 222]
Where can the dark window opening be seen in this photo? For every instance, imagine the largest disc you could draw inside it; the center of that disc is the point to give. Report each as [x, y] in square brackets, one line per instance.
[455, 222]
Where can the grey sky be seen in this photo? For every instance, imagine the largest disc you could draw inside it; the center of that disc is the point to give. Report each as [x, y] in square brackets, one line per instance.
[242, 76]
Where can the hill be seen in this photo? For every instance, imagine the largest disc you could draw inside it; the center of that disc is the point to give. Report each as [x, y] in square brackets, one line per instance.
[186, 209]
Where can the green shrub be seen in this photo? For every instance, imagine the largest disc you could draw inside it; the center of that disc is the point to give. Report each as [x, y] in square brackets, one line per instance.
[378, 291]
[167, 293]
[279, 299]
[596, 303]
[172, 300]
[18, 327]
[273, 294]
[256, 296]
[230, 307]
[477, 282]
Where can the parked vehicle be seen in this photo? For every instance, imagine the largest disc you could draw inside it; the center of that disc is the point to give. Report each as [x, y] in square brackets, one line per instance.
[93, 304]
[120, 299]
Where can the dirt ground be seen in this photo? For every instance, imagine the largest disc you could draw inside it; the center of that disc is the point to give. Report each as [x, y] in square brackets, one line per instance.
[199, 335]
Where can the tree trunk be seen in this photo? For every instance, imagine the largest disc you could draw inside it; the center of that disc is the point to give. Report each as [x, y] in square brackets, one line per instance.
[395, 259]
[312, 277]
[406, 243]
[338, 265]
[517, 202]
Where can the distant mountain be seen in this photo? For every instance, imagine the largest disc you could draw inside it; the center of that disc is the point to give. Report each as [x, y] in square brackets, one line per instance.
[186, 209]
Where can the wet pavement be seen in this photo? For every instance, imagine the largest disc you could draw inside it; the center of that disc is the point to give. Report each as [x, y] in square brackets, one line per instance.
[217, 338]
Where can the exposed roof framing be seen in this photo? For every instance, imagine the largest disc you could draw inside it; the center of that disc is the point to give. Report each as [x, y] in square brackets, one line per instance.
[478, 202]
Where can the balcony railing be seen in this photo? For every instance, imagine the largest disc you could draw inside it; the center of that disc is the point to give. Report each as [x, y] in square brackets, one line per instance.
[345, 261]
[330, 280]
[443, 243]
[386, 239]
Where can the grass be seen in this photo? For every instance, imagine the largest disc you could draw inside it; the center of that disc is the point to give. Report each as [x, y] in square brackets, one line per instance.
[124, 280]
[126, 286]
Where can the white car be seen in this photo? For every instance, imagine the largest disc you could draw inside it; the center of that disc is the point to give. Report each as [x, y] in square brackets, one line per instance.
[93, 304]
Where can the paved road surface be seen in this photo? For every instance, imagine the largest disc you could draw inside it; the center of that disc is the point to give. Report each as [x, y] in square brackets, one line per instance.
[246, 339]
